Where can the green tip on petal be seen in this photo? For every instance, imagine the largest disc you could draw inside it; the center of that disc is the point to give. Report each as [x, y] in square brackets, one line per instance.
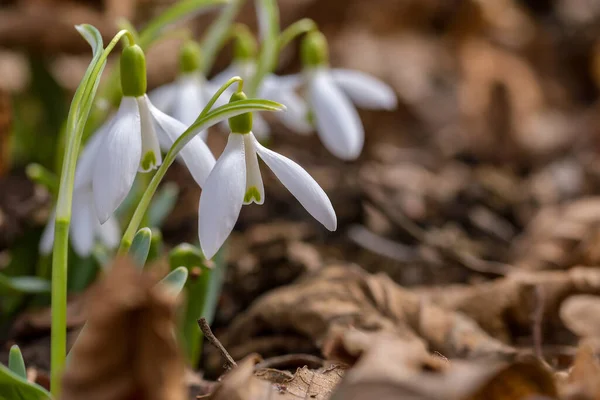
[148, 161]
[190, 57]
[242, 123]
[314, 50]
[133, 71]
[252, 193]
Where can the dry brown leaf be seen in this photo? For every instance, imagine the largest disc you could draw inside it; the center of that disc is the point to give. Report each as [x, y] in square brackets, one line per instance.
[244, 383]
[583, 380]
[128, 348]
[581, 314]
[339, 297]
[561, 236]
[391, 368]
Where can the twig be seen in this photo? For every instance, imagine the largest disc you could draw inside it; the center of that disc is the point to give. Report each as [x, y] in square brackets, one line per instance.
[536, 320]
[205, 328]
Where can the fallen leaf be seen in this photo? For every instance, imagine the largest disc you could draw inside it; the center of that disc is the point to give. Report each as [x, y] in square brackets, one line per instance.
[581, 314]
[127, 348]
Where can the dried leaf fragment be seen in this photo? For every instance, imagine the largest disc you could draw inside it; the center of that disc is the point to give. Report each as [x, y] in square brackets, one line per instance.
[128, 348]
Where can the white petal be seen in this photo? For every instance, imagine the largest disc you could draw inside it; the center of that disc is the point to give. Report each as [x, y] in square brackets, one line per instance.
[287, 82]
[109, 232]
[295, 117]
[301, 185]
[255, 190]
[338, 123]
[151, 157]
[85, 163]
[83, 222]
[222, 197]
[190, 100]
[196, 155]
[163, 96]
[365, 90]
[117, 160]
[260, 127]
[47, 240]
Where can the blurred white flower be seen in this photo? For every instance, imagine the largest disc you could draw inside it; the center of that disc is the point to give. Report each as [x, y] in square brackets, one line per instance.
[281, 89]
[85, 227]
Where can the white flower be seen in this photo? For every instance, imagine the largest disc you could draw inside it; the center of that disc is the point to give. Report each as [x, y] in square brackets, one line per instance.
[185, 98]
[236, 180]
[129, 143]
[330, 95]
[276, 88]
[85, 227]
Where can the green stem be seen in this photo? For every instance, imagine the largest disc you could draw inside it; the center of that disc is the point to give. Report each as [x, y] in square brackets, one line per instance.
[58, 342]
[78, 114]
[269, 53]
[217, 33]
[298, 28]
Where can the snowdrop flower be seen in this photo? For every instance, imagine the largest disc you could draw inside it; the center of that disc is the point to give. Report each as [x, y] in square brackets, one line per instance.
[85, 227]
[276, 88]
[330, 94]
[236, 180]
[185, 98]
[131, 142]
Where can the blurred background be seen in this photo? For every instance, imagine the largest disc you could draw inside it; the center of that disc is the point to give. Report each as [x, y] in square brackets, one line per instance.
[490, 163]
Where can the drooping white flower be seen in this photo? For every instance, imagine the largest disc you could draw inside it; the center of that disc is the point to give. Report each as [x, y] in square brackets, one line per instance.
[281, 89]
[132, 140]
[236, 180]
[330, 94]
[85, 227]
[185, 98]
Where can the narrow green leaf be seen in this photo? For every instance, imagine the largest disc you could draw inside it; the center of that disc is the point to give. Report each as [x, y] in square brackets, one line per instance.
[175, 281]
[268, 24]
[39, 174]
[179, 11]
[23, 285]
[15, 387]
[16, 363]
[156, 245]
[217, 33]
[141, 246]
[162, 204]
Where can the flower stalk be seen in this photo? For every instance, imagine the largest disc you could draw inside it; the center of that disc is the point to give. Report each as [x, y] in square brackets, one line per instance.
[76, 120]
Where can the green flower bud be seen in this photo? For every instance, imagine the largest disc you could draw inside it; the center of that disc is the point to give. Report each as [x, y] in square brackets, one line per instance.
[133, 71]
[314, 50]
[245, 46]
[243, 122]
[190, 57]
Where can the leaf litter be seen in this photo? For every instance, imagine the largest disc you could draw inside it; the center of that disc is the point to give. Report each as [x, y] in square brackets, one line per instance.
[466, 266]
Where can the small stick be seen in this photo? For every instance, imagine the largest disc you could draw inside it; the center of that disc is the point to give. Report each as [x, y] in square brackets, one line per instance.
[205, 328]
[537, 319]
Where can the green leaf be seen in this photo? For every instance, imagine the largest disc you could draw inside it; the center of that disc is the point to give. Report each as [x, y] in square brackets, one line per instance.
[268, 24]
[15, 387]
[141, 246]
[217, 33]
[16, 363]
[175, 280]
[162, 204]
[23, 285]
[177, 12]
[156, 245]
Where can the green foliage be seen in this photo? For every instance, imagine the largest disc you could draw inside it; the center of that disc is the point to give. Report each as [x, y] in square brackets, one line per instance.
[14, 387]
[16, 363]
[140, 247]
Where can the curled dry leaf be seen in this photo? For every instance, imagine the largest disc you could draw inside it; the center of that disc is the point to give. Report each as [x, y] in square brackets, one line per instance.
[391, 368]
[244, 383]
[128, 347]
[338, 297]
[581, 314]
